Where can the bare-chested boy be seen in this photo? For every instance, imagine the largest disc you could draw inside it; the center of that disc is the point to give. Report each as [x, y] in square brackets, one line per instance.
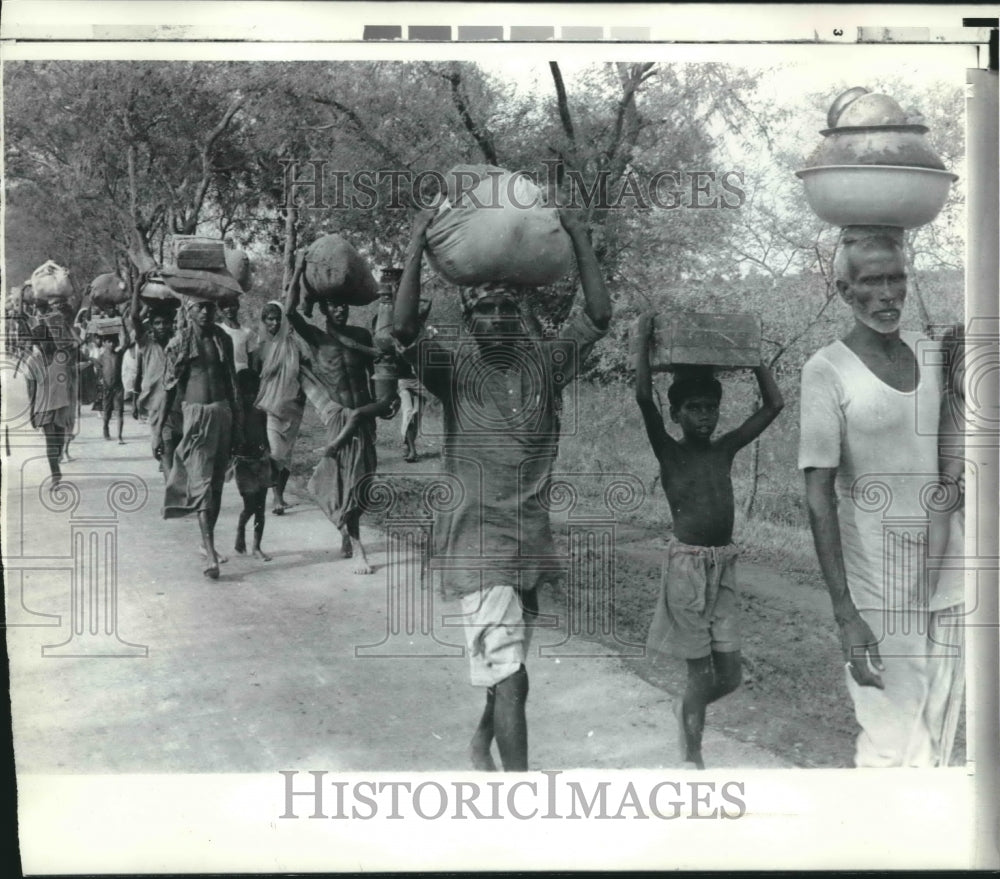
[336, 377]
[696, 614]
[199, 368]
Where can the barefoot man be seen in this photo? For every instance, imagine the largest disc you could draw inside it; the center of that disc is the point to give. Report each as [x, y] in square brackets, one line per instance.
[501, 396]
[199, 369]
[336, 377]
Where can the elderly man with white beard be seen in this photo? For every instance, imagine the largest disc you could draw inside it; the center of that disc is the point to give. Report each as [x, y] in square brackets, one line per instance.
[863, 400]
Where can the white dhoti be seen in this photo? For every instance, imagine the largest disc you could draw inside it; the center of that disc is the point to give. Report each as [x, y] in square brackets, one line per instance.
[894, 728]
[945, 680]
[946, 654]
[409, 403]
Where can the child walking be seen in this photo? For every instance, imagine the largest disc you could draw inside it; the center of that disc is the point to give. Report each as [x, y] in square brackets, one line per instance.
[252, 465]
[113, 400]
[696, 616]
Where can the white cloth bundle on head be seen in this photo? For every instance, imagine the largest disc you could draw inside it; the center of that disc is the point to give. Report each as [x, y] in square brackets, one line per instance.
[51, 281]
[499, 230]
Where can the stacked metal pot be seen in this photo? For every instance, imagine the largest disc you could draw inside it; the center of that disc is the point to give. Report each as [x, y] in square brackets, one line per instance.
[875, 166]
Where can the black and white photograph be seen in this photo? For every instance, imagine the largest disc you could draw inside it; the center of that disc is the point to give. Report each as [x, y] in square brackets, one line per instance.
[499, 437]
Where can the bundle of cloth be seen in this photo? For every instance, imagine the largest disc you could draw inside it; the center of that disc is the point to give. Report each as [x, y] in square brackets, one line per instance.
[495, 227]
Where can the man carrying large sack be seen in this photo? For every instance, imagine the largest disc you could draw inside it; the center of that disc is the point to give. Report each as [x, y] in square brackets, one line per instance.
[500, 394]
[336, 377]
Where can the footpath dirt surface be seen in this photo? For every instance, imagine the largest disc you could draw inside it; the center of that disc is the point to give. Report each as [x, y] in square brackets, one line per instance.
[260, 670]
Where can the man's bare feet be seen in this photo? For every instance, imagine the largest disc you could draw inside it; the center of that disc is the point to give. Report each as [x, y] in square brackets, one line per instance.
[212, 572]
[354, 550]
[121, 442]
[219, 559]
[258, 553]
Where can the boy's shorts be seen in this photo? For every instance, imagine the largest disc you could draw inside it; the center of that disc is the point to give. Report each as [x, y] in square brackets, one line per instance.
[114, 400]
[497, 627]
[697, 610]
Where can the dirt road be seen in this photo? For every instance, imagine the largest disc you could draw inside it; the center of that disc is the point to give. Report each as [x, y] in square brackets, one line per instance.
[258, 671]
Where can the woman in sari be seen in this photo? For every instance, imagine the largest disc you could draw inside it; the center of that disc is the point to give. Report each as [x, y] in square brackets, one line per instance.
[281, 395]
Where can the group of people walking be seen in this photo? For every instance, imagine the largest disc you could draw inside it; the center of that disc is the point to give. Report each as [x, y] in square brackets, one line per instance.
[220, 397]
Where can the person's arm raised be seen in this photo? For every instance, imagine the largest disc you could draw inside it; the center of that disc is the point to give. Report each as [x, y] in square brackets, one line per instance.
[406, 308]
[856, 638]
[292, 297]
[659, 439]
[596, 302]
[771, 406]
[134, 316]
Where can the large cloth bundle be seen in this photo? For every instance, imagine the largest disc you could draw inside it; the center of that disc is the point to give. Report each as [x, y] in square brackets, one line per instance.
[238, 264]
[51, 282]
[200, 271]
[108, 290]
[210, 286]
[512, 238]
[336, 272]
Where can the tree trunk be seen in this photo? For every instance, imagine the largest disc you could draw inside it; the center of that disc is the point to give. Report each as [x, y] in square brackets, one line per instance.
[291, 240]
[140, 254]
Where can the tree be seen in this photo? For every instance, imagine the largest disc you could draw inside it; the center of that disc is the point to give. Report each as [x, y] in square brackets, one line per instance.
[135, 151]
